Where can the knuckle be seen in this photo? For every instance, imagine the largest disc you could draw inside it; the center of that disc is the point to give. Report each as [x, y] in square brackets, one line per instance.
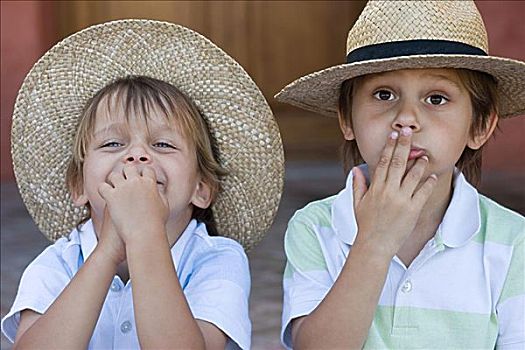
[427, 188]
[383, 161]
[390, 144]
[415, 174]
[389, 196]
[413, 210]
[397, 162]
[430, 186]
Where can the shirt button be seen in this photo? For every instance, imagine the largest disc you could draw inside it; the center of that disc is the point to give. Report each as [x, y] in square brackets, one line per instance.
[407, 286]
[115, 286]
[125, 327]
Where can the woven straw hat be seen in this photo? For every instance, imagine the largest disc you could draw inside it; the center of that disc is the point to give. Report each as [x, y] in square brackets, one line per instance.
[392, 35]
[58, 86]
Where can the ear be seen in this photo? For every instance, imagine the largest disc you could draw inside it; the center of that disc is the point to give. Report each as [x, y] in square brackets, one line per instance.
[346, 129]
[476, 141]
[79, 200]
[202, 195]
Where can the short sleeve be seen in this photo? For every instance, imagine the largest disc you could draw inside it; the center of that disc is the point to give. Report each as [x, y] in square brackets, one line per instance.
[511, 306]
[306, 277]
[41, 283]
[218, 292]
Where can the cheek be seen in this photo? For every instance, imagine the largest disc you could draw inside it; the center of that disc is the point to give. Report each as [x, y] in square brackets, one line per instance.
[95, 172]
[450, 145]
[371, 138]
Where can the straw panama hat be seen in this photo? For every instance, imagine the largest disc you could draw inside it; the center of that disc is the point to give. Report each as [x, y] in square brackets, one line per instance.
[392, 35]
[58, 86]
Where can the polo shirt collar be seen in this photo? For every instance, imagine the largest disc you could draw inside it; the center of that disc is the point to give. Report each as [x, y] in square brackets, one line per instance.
[88, 240]
[178, 248]
[462, 218]
[460, 222]
[343, 216]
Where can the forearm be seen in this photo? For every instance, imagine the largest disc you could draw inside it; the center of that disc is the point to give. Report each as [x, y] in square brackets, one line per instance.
[70, 320]
[343, 318]
[162, 315]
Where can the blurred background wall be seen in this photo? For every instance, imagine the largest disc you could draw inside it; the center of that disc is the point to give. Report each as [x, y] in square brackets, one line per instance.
[276, 42]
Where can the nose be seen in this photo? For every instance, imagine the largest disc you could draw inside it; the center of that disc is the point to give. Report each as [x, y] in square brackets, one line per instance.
[138, 155]
[406, 116]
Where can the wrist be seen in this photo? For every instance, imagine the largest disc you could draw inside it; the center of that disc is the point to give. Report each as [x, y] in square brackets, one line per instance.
[146, 230]
[143, 238]
[374, 251]
[101, 256]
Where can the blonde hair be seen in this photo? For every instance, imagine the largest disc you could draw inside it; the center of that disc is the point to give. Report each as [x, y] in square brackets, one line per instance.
[140, 94]
[482, 89]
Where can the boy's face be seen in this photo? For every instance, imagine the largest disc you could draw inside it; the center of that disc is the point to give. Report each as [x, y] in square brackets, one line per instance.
[160, 144]
[432, 102]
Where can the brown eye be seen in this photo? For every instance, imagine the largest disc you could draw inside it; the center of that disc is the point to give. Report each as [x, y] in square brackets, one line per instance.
[436, 100]
[384, 95]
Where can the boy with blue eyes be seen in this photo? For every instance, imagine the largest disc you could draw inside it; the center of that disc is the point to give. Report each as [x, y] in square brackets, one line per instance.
[409, 254]
[156, 167]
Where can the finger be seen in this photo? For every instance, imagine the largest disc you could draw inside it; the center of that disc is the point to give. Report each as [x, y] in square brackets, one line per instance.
[107, 217]
[104, 190]
[398, 163]
[108, 221]
[114, 179]
[150, 173]
[423, 193]
[130, 171]
[381, 171]
[359, 187]
[414, 175]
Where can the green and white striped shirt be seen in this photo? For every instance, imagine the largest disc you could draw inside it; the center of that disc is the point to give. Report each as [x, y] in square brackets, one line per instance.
[465, 289]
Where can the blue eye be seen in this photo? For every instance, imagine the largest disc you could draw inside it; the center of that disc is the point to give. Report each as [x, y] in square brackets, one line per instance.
[384, 95]
[111, 144]
[163, 145]
[436, 100]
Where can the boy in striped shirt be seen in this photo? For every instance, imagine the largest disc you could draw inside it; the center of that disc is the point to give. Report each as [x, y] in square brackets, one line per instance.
[409, 254]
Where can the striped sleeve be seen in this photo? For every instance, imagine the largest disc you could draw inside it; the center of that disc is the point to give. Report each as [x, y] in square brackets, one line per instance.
[511, 306]
[306, 279]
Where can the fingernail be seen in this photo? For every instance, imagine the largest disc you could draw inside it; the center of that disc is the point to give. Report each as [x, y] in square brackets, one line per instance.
[394, 135]
[406, 131]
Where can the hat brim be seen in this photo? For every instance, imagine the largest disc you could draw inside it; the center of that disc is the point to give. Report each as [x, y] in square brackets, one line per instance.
[58, 86]
[319, 91]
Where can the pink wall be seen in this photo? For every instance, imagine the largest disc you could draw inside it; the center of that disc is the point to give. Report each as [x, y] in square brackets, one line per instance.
[506, 29]
[27, 32]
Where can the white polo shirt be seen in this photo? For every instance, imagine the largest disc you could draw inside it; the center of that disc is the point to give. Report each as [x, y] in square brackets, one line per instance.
[213, 273]
[465, 289]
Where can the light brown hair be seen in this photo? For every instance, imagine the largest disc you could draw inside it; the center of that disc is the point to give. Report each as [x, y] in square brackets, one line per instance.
[482, 89]
[140, 94]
